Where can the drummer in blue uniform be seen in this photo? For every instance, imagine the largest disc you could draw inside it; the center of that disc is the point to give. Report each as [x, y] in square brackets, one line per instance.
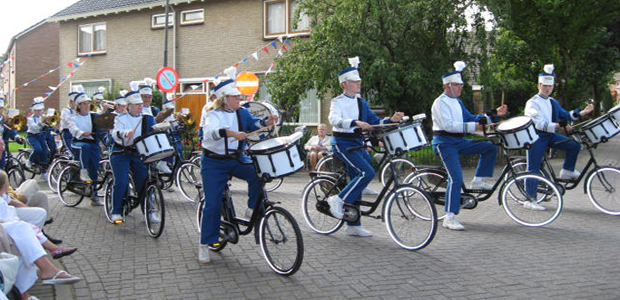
[146, 93]
[127, 127]
[175, 132]
[548, 116]
[225, 130]
[349, 114]
[451, 122]
[6, 133]
[66, 114]
[85, 138]
[36, 137]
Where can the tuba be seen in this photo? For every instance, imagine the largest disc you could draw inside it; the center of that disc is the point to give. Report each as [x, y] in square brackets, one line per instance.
[18, 122]
[187, 120]
[53, 120]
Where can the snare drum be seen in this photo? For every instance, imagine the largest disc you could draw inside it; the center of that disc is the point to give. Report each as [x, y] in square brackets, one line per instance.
[517, 133]
[276, 157]
[599, 130]
[153, 147]
[614, 113]
[404, 139]
[261, 110]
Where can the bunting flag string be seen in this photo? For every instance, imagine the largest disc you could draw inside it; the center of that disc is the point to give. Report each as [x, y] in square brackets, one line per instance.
[80, 62]
[37, 78]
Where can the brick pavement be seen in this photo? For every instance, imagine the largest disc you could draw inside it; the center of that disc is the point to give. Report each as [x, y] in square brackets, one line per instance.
[573, 258]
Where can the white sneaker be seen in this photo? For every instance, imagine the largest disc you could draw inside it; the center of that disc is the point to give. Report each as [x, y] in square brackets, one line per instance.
[28, 164]
[153, 218]
[44, 176]
[248, 213]
[452, 223]
[203, 254]
[481, 185]
[368, 191]
[358, 231]
[163, 167]
[566, 174]
[84, 175]
[533, 206]
[117, 219]
[335, 206]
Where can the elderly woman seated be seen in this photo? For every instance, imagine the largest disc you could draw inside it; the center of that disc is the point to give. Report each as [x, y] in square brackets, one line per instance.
[318, 146]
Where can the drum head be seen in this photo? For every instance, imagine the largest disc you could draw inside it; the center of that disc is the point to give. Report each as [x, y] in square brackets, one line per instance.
[514, 123]
[261, 110]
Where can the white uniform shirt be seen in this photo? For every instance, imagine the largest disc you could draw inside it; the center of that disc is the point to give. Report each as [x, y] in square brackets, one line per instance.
[540, 110]
[65, 117]
[147, 110]
[124, 123]
[34, 124]
[343, 111]
[80, 124]
[448, 116]
[216, 120]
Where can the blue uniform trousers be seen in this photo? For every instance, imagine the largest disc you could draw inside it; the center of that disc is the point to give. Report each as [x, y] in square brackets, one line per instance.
[51, 143]
[358, 166]
[215, 174]
[90, 155]
[450, 153]
[536, 152]
[121, 163]
[3, 159]
[39, 153]
[67, 139]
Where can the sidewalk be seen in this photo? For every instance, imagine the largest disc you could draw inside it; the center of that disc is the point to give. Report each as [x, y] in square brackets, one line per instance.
[573, 258]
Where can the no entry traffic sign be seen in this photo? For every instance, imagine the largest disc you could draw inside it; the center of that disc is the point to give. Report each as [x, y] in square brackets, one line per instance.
[167, 79]
[247, 83]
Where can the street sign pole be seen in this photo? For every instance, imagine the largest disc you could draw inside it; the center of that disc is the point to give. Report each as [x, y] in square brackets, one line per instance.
[166, 42]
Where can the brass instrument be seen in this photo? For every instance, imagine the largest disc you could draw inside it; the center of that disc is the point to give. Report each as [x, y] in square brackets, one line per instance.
[188, 120]
[98, 105]
[53, 120]
[18, 122]
[164, 114]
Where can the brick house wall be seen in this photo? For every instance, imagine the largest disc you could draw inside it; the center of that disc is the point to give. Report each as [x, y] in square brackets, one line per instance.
[231, 31]
[36, 52]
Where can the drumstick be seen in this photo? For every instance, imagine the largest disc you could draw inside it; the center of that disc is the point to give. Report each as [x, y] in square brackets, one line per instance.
[579, 124]
[259, 130]
[385, 124]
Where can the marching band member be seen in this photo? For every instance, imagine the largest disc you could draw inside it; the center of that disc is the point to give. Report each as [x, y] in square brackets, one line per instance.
[548, 116]
[36, 137]
[349, 114]
[203, 113]
[225, 131]
[120, 103]
[6, 133]
[65, 118]
[174, 135]
[127, 127]
[82, 127]
[451, 121]
[146, 93]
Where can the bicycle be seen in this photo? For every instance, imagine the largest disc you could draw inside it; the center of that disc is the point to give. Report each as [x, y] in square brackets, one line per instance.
[277, 231]
[71, 190]
[512, 194]
[150, 199]
[600, 182]
[408, 212]
[14, 170]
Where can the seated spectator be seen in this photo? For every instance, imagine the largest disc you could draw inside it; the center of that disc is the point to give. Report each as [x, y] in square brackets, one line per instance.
[30, 194]
[318, 146]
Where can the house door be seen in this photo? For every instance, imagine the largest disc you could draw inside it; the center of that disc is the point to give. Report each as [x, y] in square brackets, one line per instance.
[194, 102]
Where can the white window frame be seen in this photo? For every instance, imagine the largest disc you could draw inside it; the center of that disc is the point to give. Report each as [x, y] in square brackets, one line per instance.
[92, 43]
[161, 25]
[198, 21]
[288, 19]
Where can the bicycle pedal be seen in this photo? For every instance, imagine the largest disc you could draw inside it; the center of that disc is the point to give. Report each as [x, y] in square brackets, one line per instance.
[351, 213]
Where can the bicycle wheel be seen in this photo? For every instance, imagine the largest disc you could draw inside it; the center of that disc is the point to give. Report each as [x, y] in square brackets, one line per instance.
[16, 177]
[403, 167]
[155, 211]
[108, 203]
[22, 157]
[189, 180]
[520, 166]
[330, 163]
[281, 241]
[315, 195]
[601, 187]
[54, 172]
[516, 201]
[70, 189]
[274, 184]
[410, 217]
[434, 183]
[199, 206]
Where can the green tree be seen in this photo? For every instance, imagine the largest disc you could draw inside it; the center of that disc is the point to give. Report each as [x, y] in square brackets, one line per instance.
[570, 34]
[404, 47]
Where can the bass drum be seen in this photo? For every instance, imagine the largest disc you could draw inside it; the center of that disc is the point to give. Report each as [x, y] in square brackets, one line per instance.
[263, 109]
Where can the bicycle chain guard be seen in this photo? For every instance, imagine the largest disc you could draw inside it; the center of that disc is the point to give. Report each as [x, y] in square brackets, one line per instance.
[351, 212]
[468, 201]
[229, 232]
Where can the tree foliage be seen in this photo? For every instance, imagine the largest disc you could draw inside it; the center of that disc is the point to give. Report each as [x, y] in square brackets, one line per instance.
[404, 47]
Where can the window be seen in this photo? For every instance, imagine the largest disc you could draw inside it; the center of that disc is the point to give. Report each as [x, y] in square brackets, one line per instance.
[196, 16]
[280, 16]
[92, 86]
[158, 21]
[91, 39]
[309, 107]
